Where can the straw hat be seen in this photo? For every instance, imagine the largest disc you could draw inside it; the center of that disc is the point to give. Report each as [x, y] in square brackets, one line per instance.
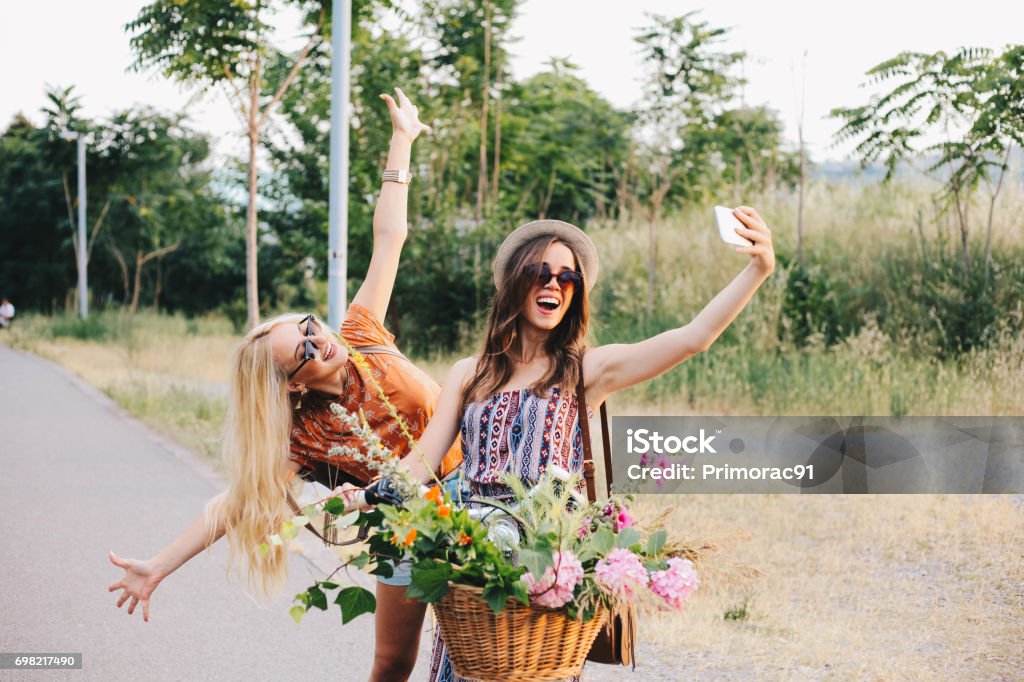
[576, 238]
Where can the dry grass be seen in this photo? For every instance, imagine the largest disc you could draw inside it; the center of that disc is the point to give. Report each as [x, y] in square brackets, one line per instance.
[856, 587]
[915, 587]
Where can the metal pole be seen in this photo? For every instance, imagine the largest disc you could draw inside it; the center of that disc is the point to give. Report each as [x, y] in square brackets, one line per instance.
[337, 240]
[83, 291]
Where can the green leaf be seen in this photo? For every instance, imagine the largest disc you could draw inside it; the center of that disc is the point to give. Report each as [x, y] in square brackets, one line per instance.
[334, 506]
[317, 598]
[384, 569]
[429, 581]
[603, 540]
[297, 612]
[347, 519]
[496, 595]
[327, 585]
[354, 602]
[627, 537]
[536, 561]
[361, 560]
[656, 541]
[521, 592]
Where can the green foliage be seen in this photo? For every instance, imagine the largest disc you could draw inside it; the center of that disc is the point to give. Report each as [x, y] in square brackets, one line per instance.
[819, 301]
[738, 613]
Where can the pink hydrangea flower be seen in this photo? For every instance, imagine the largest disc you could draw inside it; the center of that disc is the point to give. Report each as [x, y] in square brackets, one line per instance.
[621, 573]
[554, 589]
[675, 583]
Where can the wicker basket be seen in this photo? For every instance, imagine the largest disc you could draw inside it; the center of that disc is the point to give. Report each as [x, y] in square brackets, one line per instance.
[520, 644]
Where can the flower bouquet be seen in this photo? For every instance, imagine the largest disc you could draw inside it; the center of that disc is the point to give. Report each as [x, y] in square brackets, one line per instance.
[520, 586]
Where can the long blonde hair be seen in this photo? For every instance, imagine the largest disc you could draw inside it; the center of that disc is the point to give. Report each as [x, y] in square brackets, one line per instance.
[256, 441]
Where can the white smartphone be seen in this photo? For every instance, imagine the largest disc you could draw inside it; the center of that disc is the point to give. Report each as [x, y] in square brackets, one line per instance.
[727, 224]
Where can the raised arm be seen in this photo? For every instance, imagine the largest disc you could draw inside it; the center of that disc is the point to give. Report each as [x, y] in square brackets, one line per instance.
[616, 366]
[390, 215]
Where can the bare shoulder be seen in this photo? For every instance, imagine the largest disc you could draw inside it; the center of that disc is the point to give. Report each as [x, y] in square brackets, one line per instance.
[462, 371]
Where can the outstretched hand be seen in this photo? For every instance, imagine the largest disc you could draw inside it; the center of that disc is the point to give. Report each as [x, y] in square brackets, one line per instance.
[138, 582]
[405, 117]
[762, 253]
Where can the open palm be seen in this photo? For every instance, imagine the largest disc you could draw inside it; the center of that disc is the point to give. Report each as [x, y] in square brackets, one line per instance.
[405, 117]
[139, 580]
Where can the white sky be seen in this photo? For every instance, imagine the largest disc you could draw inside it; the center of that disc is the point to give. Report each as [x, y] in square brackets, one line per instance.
[83, 43]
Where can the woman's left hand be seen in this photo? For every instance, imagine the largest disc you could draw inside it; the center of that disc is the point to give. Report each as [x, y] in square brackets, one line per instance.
[762, 253]
[405, 117]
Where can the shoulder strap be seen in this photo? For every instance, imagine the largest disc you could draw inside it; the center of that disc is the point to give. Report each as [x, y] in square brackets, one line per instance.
[386, 350]
[588, 452]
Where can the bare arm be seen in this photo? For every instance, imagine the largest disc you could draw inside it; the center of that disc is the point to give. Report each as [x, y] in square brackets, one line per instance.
[390, 222]
[443, 426]
[616, 366]
[141, 577]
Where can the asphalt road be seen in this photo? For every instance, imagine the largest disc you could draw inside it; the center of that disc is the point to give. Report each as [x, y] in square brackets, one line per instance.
[78, 477]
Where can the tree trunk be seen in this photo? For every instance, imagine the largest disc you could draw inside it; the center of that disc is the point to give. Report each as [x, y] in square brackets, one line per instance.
[481, 186]
[497, 139]
[251, 264]
[158, 285]
[736, 173]
[123, 265]
[652, 259]
[800, 207]
[991, 213]
[138, 283]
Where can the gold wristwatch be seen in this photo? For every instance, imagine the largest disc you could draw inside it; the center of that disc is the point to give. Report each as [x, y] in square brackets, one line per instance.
[402, 176]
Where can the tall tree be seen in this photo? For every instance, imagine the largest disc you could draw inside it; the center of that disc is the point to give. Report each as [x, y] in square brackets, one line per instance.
[959, 113]
[470, 40]
[155, 165]
[688, 81]
[205, 43]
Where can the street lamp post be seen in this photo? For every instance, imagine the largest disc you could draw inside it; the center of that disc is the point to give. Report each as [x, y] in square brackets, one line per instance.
[337, 212]
[83, 291]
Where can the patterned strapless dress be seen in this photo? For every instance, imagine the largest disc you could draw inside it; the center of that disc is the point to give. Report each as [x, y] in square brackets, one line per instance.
[512, 431]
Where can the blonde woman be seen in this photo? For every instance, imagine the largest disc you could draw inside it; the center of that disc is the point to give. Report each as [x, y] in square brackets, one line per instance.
[514, 405]
[286, 373]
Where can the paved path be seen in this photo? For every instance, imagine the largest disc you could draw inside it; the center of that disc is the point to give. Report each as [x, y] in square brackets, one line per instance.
[78, 478]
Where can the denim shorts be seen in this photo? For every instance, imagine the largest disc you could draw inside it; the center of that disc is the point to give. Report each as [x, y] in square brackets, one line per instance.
[402, 577]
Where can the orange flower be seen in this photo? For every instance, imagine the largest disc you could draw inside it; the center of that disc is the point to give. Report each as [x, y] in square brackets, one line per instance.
[464, 539]
[434, 495]
[410, 538]
[444, 510]
[395, 539]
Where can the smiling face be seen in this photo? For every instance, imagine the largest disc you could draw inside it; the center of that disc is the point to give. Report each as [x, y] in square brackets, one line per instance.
[324, 368]
[547, 303]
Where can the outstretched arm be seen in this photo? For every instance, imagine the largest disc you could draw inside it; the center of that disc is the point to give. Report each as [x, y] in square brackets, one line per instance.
[390, 215]
[141, 577]
[616, 366]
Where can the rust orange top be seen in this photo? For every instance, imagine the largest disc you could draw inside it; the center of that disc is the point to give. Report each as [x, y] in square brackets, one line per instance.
[315, 429]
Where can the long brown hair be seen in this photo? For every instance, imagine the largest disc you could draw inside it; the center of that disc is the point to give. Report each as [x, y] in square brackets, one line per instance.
[564, 344]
